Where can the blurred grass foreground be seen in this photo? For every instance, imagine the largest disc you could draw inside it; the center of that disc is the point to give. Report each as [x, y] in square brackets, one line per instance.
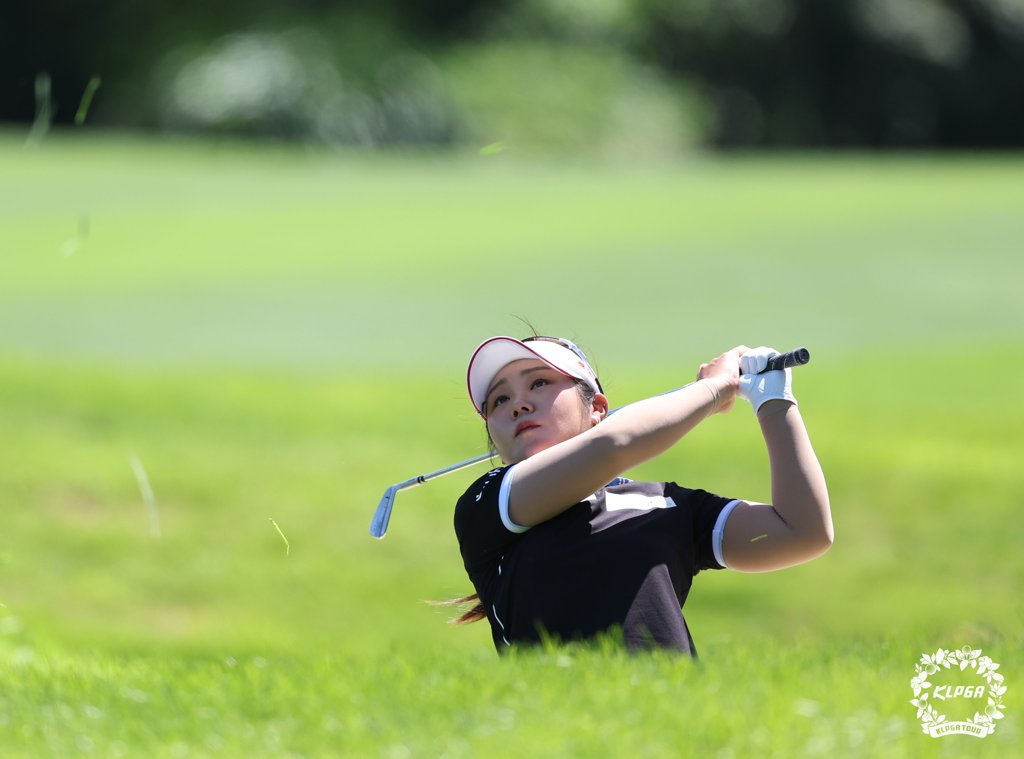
[214, 358]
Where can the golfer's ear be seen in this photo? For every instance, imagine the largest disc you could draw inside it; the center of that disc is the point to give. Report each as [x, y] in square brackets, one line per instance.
[599, 408]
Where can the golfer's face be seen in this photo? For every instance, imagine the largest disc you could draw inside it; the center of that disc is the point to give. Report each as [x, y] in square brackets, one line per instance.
[530, 407]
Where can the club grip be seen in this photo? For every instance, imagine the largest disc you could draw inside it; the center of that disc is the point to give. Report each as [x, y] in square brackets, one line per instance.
[795, 357]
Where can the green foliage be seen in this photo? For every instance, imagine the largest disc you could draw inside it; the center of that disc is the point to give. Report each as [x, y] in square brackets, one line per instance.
[353, 80]
[537, 96]
[729, 73]
[330, 85]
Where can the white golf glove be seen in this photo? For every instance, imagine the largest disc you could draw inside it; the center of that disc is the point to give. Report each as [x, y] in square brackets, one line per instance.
[770, 386]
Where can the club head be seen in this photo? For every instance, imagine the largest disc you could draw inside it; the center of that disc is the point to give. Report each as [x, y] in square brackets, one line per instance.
[379, 525]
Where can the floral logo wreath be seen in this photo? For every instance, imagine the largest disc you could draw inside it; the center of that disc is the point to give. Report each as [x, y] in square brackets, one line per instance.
[932, 722]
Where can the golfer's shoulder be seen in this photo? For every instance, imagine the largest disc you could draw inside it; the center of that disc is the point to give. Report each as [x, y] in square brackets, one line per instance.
[477, 517]
[485, 487]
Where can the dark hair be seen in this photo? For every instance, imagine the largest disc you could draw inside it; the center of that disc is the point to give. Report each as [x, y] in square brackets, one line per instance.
[473, 614]
[476, 612]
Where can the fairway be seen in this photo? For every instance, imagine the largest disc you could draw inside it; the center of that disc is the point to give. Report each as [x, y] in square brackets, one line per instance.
[268, 337]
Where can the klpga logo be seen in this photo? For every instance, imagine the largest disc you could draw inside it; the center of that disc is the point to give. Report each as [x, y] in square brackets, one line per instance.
[983, 696]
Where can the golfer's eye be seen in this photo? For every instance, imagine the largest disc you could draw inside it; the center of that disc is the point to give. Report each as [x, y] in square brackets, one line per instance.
[498, 400]
[539, 382]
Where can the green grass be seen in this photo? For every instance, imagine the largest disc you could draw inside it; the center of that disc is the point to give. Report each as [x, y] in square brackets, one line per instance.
[838, 700]
[280, 334]
[233, 256]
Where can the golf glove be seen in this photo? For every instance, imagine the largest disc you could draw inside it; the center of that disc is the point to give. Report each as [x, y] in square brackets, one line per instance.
[770, 386]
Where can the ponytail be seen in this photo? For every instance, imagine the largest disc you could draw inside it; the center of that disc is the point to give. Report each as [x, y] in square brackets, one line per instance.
[473, 614]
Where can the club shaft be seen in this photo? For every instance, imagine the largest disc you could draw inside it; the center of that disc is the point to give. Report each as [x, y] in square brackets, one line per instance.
[420, 479]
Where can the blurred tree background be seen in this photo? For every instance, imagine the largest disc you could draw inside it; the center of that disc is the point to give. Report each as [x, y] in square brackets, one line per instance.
[617, 76]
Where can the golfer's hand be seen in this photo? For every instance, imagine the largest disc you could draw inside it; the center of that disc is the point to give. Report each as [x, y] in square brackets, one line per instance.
[724, 371]
[761, 388]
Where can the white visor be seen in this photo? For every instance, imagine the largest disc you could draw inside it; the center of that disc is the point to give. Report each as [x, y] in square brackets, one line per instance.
[491, 356]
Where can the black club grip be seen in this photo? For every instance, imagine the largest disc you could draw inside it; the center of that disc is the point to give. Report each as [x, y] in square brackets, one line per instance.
[795, 357]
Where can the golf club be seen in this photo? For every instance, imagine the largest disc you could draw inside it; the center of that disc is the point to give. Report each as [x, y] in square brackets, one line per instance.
[379, 525]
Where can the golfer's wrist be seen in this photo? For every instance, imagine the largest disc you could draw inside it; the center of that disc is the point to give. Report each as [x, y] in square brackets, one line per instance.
[773, 407]
[722, 391]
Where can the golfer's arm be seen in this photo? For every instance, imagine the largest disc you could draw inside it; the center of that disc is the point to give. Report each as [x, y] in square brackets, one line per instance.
[797, 526]
[551, 481]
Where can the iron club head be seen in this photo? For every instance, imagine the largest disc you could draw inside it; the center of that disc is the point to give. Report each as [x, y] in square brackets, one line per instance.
[379, 525]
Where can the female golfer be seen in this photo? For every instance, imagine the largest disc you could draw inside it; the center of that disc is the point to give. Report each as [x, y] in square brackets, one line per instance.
[559, 545]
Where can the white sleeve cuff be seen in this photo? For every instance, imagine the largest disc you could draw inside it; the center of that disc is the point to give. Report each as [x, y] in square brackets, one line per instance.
[718, 534]
[503, 493]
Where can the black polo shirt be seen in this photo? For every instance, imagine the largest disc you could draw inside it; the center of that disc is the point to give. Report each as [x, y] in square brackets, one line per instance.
[623, 558]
